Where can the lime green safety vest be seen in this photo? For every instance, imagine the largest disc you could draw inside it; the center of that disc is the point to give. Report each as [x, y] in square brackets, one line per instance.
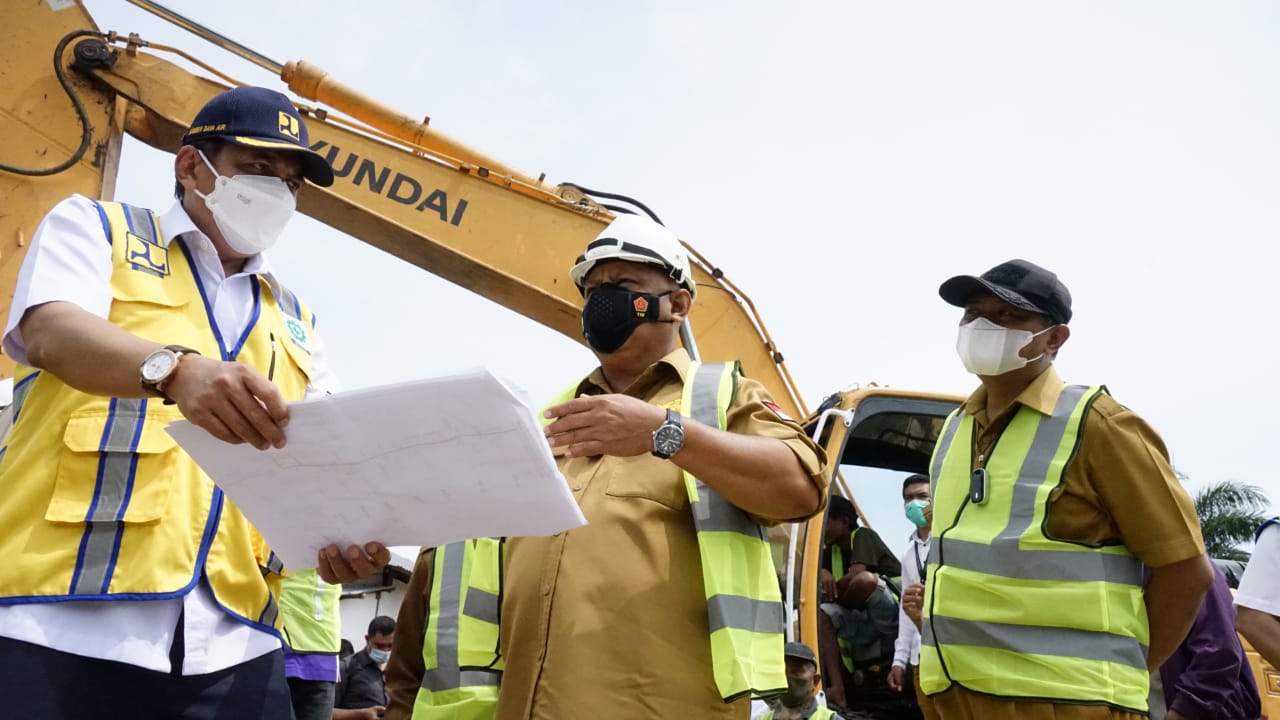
[460, 649]
[100, 503]
[309, 610]
[1010, 611]
[838, 570]
[744, 602]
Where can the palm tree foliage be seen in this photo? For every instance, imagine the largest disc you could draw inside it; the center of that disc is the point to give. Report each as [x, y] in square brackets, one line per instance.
[1229, 512]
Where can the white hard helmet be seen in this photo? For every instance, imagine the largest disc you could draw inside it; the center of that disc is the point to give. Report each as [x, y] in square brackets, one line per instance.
[637, 239]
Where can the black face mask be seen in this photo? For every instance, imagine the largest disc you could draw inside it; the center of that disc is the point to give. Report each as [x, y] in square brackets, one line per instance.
[799, 692]
[612, 313]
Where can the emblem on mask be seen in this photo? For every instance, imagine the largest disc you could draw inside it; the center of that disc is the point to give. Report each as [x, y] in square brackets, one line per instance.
[641, 305]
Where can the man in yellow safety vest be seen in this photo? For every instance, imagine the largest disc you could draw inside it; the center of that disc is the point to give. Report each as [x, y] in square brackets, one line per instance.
[130, 584]
[1048, 499]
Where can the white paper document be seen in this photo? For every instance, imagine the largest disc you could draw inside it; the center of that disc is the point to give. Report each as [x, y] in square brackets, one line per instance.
[427, 462]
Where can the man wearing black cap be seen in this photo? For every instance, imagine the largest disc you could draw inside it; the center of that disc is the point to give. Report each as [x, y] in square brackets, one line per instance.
[800, 701]
[130, 585]
[1048, 500]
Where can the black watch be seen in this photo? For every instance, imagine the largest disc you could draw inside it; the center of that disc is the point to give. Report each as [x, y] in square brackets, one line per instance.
[669, 437]
[158, 367]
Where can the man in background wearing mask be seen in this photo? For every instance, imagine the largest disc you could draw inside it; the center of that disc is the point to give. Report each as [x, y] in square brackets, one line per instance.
[362, 689]
[130, 585]
[800, 701]
[1049, 499]
[619, 614]
[906, 649]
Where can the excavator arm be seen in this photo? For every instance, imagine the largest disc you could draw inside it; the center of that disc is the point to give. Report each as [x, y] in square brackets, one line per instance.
[401, 185]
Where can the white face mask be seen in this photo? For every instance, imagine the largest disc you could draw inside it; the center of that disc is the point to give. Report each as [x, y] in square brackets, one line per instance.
[988, 349]
[250, 210]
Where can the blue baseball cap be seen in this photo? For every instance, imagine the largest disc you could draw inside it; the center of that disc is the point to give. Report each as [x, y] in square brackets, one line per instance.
[260, 118]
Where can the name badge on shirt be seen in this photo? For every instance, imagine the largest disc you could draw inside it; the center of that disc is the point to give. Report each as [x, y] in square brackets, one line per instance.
[298, 333]
[146, 256]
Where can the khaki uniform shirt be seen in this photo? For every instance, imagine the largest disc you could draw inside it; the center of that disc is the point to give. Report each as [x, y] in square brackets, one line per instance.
[610, 619]
[406, 667]
[1118, 490]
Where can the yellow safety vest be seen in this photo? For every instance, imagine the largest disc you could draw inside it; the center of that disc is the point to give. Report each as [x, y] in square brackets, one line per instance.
[460, 649]
[309, 612]
[744, 603]
[1010, 611]
[100, 503]
[838, 570]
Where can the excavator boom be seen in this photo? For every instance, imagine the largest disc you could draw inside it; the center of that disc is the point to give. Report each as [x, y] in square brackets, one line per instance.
[401, 185]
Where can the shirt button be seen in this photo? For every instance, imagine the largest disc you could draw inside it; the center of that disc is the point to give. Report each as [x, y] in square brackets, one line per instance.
[546, 589]
[577, 487]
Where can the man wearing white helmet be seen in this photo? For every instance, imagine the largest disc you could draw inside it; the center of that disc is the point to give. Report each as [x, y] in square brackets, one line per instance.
[620, 614]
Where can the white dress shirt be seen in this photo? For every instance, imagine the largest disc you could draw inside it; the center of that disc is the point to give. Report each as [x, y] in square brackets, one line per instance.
[1260, 585]
[70, 260]
[907, 647]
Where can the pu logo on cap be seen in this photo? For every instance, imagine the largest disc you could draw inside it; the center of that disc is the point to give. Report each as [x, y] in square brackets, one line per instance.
[289, 125]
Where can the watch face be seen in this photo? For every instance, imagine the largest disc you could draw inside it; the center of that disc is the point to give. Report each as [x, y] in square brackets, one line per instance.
[158, 365]
[668, 440]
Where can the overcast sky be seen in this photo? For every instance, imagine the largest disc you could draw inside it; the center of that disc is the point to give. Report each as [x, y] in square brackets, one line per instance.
[838, 160]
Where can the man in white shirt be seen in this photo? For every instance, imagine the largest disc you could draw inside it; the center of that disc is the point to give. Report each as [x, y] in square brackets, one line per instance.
[1258, 597]
[906, 649]
[131, 587]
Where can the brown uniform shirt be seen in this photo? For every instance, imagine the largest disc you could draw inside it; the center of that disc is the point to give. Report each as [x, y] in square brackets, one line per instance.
[610, 619]
[1119, 490]
[406, 667]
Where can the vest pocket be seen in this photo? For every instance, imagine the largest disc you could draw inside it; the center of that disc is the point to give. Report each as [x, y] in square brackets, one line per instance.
[647, 477]
[114, 466]
[292, 353]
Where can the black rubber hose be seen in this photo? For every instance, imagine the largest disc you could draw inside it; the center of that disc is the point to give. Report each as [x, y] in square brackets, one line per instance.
[86, 132]
[624, 198]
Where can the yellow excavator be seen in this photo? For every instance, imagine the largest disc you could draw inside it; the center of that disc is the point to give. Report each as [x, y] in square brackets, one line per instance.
[70, 92]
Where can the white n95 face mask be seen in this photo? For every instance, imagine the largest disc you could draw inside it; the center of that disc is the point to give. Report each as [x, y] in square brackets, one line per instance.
[989, 349]
[250, 210]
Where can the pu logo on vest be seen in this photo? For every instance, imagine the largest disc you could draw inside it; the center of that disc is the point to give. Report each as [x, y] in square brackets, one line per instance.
[146, 256]
[289, 125]
[298, 333]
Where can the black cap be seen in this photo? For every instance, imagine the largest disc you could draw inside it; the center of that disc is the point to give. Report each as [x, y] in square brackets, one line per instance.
[261, 118]
[1018, 282]
[799, 651]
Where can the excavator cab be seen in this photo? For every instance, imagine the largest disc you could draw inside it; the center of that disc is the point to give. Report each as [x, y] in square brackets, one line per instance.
[878, 436]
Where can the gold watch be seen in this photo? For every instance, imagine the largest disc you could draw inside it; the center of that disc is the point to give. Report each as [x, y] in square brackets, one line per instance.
[158, 367]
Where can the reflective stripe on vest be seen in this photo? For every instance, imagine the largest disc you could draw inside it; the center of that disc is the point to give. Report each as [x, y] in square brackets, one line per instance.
[1010, 611]
[744, 603]
[460, 649]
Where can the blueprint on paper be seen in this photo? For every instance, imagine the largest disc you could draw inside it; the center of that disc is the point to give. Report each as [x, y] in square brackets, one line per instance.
[426, 462]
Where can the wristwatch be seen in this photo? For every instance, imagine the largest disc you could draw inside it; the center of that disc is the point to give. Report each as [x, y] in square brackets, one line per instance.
[669, 437]
[158, 367]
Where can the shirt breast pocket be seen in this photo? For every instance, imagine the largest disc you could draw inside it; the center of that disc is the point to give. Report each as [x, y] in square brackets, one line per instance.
[110, 469]
[649, 478]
